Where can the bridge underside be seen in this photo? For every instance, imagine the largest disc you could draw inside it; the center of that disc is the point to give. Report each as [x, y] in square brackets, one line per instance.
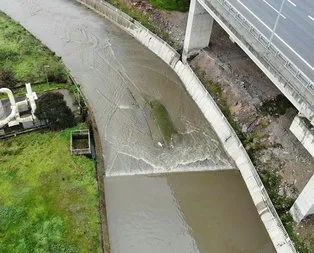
[298, 90]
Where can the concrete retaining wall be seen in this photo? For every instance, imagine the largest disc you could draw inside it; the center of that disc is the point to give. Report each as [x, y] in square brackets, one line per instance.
[215, 117]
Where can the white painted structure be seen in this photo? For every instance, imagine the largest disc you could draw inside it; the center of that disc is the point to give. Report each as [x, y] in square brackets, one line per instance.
[199, 28]
[304, 205]
[14, 117]
[212, 113]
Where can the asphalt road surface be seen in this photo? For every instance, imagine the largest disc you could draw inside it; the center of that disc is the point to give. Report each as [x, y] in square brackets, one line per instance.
[294, 32]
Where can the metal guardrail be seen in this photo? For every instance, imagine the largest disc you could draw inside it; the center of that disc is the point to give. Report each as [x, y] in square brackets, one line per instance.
[268, 53]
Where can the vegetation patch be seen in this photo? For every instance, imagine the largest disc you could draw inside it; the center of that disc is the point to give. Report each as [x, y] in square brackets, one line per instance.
[48, 198]
[282, 204]
[276, 106]
[164, 122]
[24, 59]
[171, 5]
[215, 90]
[142, 18]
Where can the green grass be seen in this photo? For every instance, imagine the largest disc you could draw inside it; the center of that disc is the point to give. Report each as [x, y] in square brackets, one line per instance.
[164, 122]
[48, 198]
[171, 5]
[39, 87]
[26, 57]
[142, 18]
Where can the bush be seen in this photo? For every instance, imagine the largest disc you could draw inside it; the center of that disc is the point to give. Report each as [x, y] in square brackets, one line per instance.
[53, 109]
[276, 106]
[57, 74]
[7, 79]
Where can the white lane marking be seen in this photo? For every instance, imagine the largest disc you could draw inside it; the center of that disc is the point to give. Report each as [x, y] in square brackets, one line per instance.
[310, 17]
[274, 9]
[292, 3]
[285, 43]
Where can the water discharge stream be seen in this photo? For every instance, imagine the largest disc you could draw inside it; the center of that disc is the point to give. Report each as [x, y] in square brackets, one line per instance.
[173, 212]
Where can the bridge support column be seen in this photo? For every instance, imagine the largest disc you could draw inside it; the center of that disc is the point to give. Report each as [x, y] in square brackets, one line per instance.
[303, 130]
[198, 30]
[304, 205]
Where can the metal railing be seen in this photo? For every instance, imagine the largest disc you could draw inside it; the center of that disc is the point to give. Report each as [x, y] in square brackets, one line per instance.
[272, 58]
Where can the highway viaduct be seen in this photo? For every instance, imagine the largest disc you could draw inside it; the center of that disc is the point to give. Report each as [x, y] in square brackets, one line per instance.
[278, 36]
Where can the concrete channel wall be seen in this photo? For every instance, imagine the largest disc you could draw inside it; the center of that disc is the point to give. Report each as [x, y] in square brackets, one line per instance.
[211, 111]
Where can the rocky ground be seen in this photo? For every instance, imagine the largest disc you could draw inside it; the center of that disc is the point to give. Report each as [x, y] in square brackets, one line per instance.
[253, 101]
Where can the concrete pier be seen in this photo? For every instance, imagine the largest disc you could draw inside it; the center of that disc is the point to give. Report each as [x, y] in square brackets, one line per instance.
[198, 30]
[304, 205]
[304, 131]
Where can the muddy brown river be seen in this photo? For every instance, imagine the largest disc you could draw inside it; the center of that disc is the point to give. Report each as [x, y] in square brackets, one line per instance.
[183, 198]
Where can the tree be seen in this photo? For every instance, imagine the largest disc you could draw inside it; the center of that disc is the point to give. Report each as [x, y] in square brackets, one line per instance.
[52, 108]
[7, 79]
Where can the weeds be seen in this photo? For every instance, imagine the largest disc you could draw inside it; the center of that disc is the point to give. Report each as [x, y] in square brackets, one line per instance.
[162, 117]
[172, 5]
[143, 19]
[276, 106]
[7, 79]
[282, 204]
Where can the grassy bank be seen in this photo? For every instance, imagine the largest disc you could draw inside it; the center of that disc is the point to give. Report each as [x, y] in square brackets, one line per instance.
[48, 198]
[253, 143]
[24, 59]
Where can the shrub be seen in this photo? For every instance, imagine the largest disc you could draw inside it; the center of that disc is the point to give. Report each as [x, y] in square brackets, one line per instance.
[53, 109]
[57, 74]
[7, 79]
